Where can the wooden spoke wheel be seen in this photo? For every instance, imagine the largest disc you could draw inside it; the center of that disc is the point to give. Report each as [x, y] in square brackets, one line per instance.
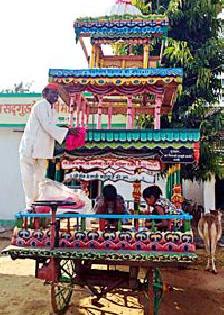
[61, 292]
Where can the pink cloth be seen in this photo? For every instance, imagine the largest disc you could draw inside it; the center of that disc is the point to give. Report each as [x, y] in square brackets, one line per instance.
[75, 141]
[42, 209]
[79, 203]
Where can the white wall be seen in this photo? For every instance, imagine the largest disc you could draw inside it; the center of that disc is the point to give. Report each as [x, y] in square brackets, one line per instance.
[11, 192]
[209, 194]
[201, 192]
[193, 190]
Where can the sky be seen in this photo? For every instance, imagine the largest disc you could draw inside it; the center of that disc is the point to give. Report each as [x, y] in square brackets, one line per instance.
[37, 35]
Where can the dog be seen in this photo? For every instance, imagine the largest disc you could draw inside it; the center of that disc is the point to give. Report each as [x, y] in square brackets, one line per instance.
[210, 230]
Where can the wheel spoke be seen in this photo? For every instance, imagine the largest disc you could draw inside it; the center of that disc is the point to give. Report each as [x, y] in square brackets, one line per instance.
[61, 292]
[67, 267]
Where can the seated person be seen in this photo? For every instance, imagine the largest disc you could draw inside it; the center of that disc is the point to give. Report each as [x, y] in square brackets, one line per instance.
[110, 203]
[155, 204]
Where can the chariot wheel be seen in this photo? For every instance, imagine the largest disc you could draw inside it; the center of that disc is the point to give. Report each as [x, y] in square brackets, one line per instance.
[61, 292]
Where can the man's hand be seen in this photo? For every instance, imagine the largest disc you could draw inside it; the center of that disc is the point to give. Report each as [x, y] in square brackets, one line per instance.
[73, 131]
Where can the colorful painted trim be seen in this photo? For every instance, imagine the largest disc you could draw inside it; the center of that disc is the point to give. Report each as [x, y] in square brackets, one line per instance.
[143, 135]
[123, 18]
[125, 37]
[119, 152]
[98, 39]
[97, 255]
[174, 153]
[156, 241]
[105, 80]
[121, 32]
[116, 73]
[24, 214]
[123, 151]
[114, 176]
[175, 144]
[112, 163]
[135, 146]
[122, 86]
[122, 26]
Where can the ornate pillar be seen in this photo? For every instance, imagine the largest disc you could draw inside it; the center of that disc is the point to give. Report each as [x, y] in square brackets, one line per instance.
[78, 107]
[99, 112]
[70, 123]
[146, 56]
[130, 120]
[177, 198]
[83, 107]
[133, 116]
[97, 56]
[178, 178]
[101, 63]
[87, 116]
[110, 114]
[136, 194]
[92, 57]
[157, 111]
[167, 183]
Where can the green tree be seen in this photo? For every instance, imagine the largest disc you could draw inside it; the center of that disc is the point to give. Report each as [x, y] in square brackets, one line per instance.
[196, 23]
[194, 45]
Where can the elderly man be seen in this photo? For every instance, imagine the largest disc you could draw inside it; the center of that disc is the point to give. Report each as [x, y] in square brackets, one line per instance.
[37, 144]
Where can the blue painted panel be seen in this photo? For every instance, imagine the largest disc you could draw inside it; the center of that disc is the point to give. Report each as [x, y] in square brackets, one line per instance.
[112, 73]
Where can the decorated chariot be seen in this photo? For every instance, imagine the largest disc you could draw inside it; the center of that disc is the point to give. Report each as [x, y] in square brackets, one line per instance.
[71, 247]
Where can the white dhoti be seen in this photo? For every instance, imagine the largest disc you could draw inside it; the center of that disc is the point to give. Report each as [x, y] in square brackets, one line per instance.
[33, 172]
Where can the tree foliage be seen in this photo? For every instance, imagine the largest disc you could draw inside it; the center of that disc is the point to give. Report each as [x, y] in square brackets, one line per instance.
[194, 45]
[142, 5]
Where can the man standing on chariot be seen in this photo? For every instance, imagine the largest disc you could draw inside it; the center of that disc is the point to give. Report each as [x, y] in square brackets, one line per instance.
[37, 144]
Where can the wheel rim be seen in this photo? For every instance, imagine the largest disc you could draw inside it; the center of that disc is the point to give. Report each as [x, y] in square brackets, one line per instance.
[61, 292]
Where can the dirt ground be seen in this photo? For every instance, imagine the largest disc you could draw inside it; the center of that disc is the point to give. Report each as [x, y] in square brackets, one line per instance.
[203, 292]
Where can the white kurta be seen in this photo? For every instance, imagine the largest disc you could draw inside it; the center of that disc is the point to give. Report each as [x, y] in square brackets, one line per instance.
[41, 132]
[37, 146]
